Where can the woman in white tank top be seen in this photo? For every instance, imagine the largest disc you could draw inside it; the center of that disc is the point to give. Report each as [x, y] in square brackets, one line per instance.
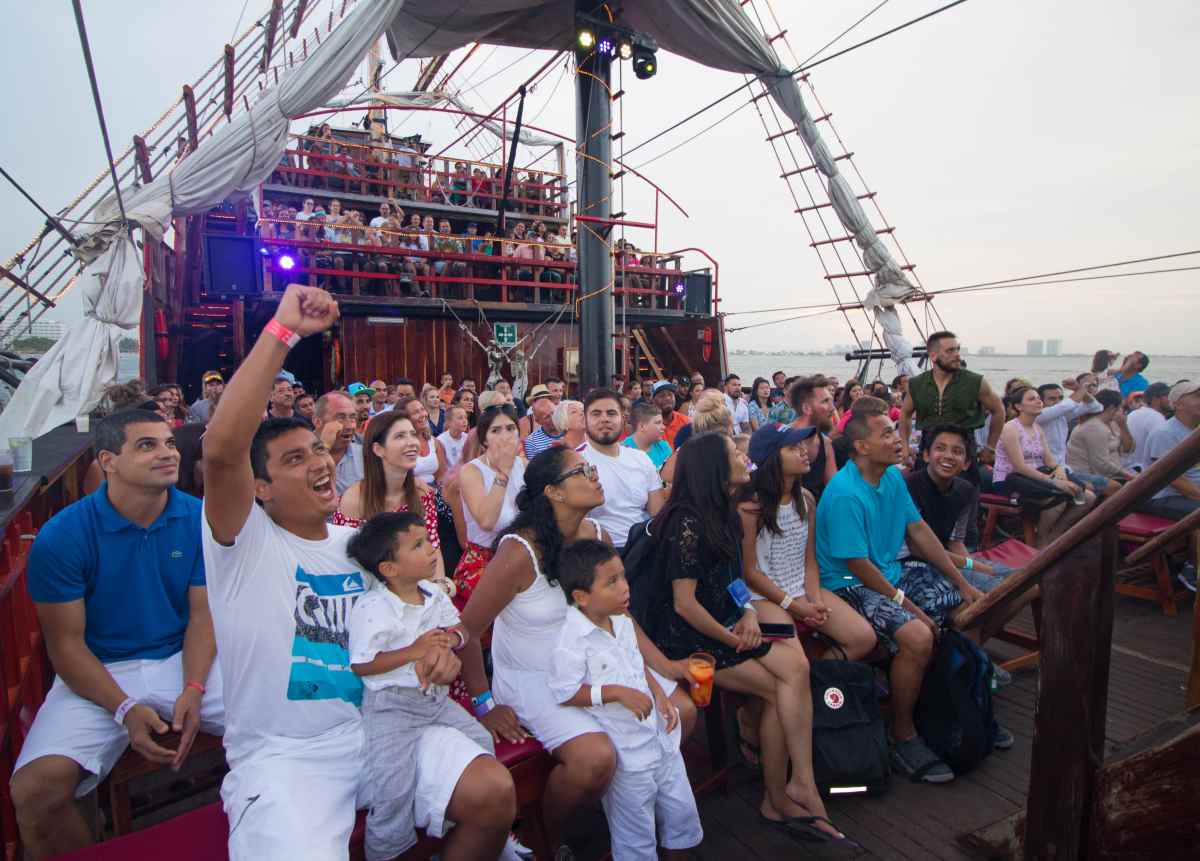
[521, 598]
[488, 487]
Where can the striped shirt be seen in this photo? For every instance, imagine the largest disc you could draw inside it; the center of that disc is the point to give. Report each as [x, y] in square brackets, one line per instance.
[538, 441]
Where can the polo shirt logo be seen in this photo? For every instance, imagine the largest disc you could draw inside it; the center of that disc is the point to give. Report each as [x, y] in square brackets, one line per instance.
[176, 554]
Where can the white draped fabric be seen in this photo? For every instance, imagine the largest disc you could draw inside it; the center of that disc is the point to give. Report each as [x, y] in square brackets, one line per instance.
[69, 380]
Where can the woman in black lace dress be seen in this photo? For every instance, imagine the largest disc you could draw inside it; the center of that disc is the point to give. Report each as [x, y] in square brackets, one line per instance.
[698, 536]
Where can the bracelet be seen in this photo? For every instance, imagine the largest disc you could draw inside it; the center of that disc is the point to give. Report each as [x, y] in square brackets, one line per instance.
[970, 566]
[597, 695]
[898, 598]
[749, 606]
[196, 686]
[123, 709]
[786, 602]
[282, 332]
[462, 639]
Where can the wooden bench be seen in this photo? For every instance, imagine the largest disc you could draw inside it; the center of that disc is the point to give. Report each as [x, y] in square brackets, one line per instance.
[133, 765]
[995, 506]
[1140, 529]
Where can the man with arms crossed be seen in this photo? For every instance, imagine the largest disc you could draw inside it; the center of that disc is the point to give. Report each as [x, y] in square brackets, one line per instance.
[633, 490]
[118, 582]
[863, 520]
[281, 599]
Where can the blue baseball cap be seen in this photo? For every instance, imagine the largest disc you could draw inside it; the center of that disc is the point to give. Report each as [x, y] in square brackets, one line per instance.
[355, 389]
[773, 436]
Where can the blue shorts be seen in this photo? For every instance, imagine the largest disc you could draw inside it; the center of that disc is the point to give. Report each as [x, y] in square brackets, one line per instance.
[1096, 482]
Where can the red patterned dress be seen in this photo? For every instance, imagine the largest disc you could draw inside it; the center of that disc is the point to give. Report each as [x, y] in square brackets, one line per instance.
[428, 507]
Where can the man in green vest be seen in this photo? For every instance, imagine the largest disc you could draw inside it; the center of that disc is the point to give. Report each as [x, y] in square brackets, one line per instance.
[949, 394]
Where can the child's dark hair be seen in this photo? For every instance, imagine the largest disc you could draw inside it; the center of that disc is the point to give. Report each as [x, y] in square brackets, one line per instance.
[375, 540]
[577, 564]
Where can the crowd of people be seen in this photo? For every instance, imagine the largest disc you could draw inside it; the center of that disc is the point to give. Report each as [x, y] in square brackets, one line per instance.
[366, 591]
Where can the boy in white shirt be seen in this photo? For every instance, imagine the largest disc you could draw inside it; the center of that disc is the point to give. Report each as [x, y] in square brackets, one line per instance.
[451, 441]
[391, 627]
[597, 665]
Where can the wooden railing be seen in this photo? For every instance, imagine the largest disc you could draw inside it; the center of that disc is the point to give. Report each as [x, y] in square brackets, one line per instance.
[1077, 575]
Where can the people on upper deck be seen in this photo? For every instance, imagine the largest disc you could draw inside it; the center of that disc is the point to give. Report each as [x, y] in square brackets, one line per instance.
[1182, 496]
[118, 580]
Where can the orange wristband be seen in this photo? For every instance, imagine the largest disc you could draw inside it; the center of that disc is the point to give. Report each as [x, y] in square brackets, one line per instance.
[197, 686]
[282, 332]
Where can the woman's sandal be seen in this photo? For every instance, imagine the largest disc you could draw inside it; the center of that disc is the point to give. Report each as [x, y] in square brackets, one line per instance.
[802, 829]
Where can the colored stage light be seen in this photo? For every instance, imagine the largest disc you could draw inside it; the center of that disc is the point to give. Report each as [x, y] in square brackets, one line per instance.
[680, 288]
[644, 63]
[606, 47]
[286, 262]
[625, 49]
[586, 39]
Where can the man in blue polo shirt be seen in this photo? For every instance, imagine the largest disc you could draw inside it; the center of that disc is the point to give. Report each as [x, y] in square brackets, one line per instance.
[863, 520]
[118, 581]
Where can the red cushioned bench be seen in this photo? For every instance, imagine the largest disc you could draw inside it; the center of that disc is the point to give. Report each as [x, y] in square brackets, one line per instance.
[1137, 529]
[1017, 554]
[995, 506]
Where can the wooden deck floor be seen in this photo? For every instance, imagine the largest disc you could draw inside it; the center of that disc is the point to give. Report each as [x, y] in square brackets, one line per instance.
[923, 822]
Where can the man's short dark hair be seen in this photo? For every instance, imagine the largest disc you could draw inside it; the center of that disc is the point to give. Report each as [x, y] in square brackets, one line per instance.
[732, 377]
[859, 426]
[375, 541]
[804, 388]
[269, 430]
[931, 343]
[600, 395]
[1156, 390]
[1047, 387]
[928, 437]
[405, 381]
[577, 564]
[642, 413]
[110, 433]
[1107, 398]
[1143, 362]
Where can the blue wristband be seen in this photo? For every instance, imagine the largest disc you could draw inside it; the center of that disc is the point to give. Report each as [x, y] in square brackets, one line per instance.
[482, 704]
[970, 566]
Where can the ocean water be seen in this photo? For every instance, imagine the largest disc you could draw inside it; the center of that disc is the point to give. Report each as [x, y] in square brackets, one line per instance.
[996, 369]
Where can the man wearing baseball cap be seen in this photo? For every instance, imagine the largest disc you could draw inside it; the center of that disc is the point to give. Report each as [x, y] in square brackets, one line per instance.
[1182, 496]
[663, 396]
[212, 384]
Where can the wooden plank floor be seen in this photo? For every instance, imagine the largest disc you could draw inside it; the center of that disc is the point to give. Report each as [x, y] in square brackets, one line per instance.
[914, 821]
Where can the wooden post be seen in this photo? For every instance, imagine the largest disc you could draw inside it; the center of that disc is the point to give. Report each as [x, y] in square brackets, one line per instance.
[142, 155]
[229, 80]
[298, 18]
[269, 38]
[1068, 742]
[189, 107]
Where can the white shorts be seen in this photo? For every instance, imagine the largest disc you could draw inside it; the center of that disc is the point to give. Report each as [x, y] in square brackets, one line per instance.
[71, 726]
[636, 801]
[552, 724]
[296, 798]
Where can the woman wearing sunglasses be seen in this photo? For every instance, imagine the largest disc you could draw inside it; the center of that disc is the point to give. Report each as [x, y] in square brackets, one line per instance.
[521, 596]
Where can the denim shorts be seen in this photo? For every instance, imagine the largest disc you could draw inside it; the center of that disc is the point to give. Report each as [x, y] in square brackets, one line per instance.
[1096, 482]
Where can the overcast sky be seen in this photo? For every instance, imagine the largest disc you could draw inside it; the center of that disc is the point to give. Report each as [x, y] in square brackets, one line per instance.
[1003, 139]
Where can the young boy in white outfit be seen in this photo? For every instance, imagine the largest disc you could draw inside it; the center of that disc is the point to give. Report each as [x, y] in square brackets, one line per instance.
[392, 627]
[597, 664]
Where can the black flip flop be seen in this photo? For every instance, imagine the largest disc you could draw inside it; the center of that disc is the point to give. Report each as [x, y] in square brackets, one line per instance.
[821, 844]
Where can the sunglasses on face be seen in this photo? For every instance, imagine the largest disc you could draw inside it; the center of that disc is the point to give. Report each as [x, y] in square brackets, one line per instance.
[586, 469]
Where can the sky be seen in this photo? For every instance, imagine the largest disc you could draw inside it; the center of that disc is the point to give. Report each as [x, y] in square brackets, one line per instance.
[1003, 139]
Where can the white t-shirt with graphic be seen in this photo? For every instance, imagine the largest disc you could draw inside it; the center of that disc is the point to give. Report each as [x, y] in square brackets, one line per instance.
[281, 611]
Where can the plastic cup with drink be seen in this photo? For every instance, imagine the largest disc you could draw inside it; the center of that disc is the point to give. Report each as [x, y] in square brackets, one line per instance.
[701, 668]
[22, 452]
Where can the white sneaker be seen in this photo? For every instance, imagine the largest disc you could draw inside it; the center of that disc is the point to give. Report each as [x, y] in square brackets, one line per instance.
[515, 851]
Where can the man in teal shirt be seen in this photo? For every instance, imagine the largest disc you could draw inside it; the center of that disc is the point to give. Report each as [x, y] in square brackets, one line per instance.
[863, 519]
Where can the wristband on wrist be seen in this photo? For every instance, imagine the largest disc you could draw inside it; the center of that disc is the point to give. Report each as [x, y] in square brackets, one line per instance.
[597, 696]
[282, 332]
[462, 639]
[970, 566]
[786, 602]
[749, 606]
[123, 710]
[196, 686]
[898, 598]
[482, 704]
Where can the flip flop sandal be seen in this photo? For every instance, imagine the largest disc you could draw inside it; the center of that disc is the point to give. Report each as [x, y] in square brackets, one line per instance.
[822, 844]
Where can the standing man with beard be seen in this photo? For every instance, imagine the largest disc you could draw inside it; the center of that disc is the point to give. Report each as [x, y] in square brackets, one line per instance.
[949, 394]
[633, 490]
[812, 400]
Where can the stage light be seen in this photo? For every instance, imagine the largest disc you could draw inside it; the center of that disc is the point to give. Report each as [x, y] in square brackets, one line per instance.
[625, 49]
[645, 63]
[680, 288]
[606, 47]
[586, 39]
[286, 262]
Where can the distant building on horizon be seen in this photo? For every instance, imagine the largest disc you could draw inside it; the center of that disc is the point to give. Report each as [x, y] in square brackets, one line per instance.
[987, 351]
[1054, 347]
[1035, 347]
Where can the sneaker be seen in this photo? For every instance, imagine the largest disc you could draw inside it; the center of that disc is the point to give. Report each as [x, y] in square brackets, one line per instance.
[1188, 577]
[915, 759]
[515, 851]
[1003, 739]
[1001, 676]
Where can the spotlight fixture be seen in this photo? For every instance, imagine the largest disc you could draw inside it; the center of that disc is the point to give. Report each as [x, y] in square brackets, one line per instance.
[645, 65]
[286, 262]
[625, 49]
[680, 288]
[586, 38]
[606, 47]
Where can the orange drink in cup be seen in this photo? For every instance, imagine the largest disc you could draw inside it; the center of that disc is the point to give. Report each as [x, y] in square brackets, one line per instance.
[701, 667]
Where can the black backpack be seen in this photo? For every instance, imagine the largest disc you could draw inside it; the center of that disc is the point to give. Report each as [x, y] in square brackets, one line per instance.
[849, 743]
[954, 710]
[647, 591]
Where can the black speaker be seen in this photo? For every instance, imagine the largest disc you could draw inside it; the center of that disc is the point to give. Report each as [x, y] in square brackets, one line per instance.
[232, 265]
[697, 299]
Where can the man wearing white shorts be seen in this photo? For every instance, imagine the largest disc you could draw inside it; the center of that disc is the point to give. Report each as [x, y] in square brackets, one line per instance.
[281, 602]
[118, 581]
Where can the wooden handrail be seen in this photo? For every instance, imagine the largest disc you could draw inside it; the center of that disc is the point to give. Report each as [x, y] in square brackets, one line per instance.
[1161, 473]
[1165, 539]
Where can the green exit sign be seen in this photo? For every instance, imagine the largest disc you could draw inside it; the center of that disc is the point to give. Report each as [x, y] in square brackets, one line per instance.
[505, 334]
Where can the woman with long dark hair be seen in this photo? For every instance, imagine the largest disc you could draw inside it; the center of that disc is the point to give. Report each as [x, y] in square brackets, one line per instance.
[428, 468]
[852, 391]
[699, 538]
[760, 402]
[488, 487]
[779, 557]
[521, 597]
[389, 483]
